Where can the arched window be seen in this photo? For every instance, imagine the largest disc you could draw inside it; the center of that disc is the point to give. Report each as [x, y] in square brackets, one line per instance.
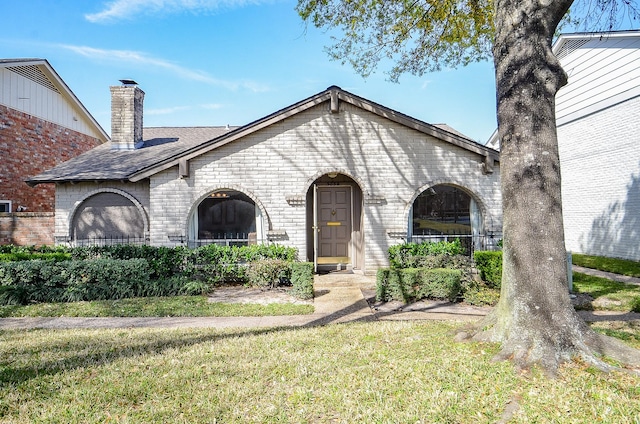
[226, 217]
[108, 218]
[444, 212]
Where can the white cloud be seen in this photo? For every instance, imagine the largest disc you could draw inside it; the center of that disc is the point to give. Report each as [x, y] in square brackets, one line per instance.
[138, 58]
[128, 9]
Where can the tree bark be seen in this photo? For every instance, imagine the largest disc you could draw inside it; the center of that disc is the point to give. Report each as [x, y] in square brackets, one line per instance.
[534, 319]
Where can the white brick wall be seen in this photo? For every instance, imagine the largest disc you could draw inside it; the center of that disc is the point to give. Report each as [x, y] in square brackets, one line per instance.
[388, 161]
[600, 165]
[70, 196]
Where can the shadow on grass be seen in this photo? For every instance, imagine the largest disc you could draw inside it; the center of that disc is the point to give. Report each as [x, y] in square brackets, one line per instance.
[102, 353]
[123, 347]
[597, 287]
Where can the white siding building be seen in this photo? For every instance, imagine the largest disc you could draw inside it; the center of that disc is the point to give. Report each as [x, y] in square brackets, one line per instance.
[598, 115]
[598, 119]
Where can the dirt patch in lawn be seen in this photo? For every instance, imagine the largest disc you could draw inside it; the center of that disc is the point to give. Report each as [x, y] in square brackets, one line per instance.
[242, 294]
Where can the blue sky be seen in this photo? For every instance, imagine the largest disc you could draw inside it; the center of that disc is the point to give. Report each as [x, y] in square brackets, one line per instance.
[218, 62]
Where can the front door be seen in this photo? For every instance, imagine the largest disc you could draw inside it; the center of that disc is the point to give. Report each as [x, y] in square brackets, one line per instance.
[334, 224]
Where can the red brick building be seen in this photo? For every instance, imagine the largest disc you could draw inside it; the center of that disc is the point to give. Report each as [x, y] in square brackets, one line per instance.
[42, 124]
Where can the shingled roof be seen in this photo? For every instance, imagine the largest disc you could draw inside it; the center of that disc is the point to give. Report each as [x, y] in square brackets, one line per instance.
[165, 147]
[106, 164]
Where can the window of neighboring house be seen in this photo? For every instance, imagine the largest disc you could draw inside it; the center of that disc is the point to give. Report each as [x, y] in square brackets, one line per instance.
[444, 212]
[5, 205]
[227, 217]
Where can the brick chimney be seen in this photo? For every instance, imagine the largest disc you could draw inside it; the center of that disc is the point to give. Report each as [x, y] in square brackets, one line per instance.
[126, 115]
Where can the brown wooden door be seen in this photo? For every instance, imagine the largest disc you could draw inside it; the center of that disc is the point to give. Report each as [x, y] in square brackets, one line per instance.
[334, 224]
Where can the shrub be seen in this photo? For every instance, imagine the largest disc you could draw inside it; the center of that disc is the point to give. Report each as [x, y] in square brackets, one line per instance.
[462, 263]
[113, 272]
[44, 281]
[489, 265]
[164, 262]
[412, 284]
[382, 284]
[28, 256]
[404, 255]
[268, 273]
[101, 279]
[480, 295]
[217, 264]
[220, 264]
[11, 248]
[211, 264]
[302, 279]
[439, 284]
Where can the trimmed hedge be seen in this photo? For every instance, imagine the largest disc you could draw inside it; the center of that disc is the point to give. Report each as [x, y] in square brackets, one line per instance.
[91, 279]
[28, 256]
[302, 279]
[212, 263]
[164, 262]
[269, 273]
[12, 248]
[112, 272]
[229, 264]
[405, 255]
[489, 264]
[24, 282]
[411, 284]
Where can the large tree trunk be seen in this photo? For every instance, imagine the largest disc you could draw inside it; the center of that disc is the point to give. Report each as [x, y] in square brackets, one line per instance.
[534, 320]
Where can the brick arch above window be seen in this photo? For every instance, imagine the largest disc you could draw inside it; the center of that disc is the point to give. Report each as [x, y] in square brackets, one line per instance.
[78, 206]
[203, 194]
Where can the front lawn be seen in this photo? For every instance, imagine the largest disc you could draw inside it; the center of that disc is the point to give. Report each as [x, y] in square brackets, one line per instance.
[380, 372]
[608, 294]
[617, 266]
[176, 306]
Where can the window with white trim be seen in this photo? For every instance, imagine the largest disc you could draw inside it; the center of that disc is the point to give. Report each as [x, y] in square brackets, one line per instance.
[5, 205]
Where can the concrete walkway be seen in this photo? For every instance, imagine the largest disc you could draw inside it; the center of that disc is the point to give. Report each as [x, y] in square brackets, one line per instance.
[339, 298]
[609, 275]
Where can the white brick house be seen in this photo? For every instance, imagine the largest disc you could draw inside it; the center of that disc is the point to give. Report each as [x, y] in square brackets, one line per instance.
[598, 120]
[336, 176]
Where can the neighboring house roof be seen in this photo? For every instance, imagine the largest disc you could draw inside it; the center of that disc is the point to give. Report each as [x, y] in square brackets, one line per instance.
[167, 147]
[42, 73]
[603, 70]
[106, 164]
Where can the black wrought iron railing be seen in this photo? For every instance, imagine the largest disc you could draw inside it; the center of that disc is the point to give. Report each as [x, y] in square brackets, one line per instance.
[225, 239]
[469, 242]
[109, 241]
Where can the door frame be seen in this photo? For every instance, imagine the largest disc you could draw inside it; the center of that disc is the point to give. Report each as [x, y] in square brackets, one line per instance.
[316, 228]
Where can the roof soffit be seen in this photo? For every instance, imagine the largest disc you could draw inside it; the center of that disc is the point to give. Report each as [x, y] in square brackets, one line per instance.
[580, 38]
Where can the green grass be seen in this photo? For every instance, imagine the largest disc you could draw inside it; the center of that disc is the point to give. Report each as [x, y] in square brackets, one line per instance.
[178, 306]
[381, 372]
[608, 294]
[617, 266]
